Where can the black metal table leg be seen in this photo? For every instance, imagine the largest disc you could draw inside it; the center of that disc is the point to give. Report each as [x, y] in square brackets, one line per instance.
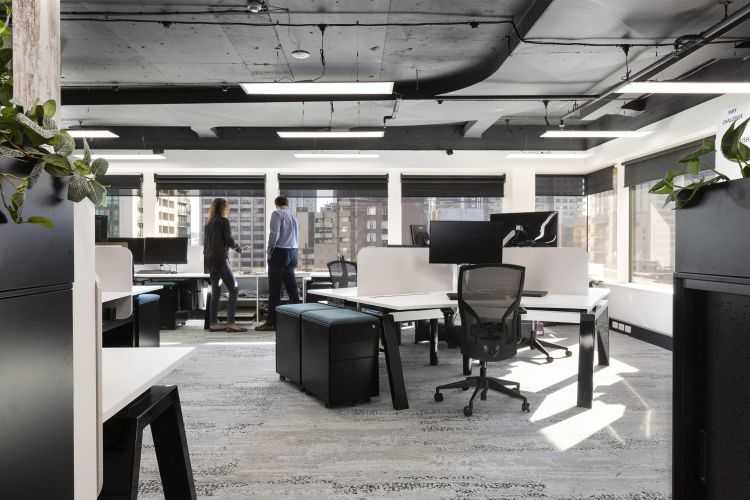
[448, 317]
[172, 454]
[393, 364]
[433, 342]
[602, 335]
[207, 314]
[467, 365]
[586, 360]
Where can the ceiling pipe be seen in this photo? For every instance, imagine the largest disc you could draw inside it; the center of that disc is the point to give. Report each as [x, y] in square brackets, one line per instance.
[680, 52]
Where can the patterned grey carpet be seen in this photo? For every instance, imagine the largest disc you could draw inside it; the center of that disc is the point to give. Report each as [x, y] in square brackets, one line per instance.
[253, 436]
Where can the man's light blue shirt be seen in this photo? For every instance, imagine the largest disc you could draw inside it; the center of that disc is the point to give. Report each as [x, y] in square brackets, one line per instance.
[283, 231]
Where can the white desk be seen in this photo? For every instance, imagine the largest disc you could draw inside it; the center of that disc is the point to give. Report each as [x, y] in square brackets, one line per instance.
[589, 311]
[127, 373]
[135, 290]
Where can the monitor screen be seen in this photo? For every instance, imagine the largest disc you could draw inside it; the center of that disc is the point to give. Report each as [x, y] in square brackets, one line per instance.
[135, 245]
[420, 237]
[166, 251]
[528, 229]
[101, 223]
[466, 242]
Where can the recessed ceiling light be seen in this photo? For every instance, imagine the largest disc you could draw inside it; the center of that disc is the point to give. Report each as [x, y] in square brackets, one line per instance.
[318, 88]
[594, 133]
[92, 134]
[549, 156]
[321, 156]
[116, 157]
[300, 54]
[330, 134]
[685, 88]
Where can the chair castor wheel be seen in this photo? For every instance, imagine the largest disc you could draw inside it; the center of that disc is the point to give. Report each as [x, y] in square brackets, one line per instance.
[438, 397]
[550, 359]
[464, 388]
[467, 411]
[526, 407]
[568, 354]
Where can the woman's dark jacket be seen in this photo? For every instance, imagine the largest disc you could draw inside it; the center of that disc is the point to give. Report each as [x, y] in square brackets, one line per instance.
[216, 244]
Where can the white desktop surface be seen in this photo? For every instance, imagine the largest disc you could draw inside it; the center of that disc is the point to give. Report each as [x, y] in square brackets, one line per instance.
[135, 290]
[128, 372]
[237, 274]
[439, 300]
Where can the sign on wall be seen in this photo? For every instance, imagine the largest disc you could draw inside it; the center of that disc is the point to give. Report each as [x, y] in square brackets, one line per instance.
[738, 114]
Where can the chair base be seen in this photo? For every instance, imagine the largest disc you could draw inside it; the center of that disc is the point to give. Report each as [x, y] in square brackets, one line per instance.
[539, 345]
[482, 384]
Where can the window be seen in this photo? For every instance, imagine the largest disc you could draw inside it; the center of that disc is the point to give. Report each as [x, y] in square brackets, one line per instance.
[426, 198]
[337, 215]
[124, 209]
[652, 236]
[602, 222]
[572, 218]
[183, 206]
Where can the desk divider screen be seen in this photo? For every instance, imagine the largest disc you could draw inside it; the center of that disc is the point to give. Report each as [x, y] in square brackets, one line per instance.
[556, 270]
[401, 270]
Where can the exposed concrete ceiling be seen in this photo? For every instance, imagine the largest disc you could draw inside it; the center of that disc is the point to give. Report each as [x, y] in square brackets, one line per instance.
[485, 60]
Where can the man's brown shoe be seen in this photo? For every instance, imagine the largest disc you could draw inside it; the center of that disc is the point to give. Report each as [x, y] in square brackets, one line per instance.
[266, 327]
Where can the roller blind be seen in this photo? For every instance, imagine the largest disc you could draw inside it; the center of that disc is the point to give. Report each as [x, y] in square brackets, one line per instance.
[450, 186]
[654, 166]
[122, 185]
[312, 186]
[600, 181]
[560, 185]
[212, 186]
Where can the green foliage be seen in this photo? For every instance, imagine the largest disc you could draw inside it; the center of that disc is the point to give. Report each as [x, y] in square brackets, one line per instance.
[28, 132]
[682, 187]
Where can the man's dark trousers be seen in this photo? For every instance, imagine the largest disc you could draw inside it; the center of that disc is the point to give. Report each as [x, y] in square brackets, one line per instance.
[281, 267]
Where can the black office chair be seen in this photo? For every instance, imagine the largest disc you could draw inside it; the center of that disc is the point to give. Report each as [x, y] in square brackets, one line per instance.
[343, 273]
[488, 303]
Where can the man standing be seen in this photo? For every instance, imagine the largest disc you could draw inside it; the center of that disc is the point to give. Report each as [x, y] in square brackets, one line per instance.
[283, 235]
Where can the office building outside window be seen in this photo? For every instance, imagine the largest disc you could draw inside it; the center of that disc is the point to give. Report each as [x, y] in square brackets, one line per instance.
[426, 198]
[565, 194]
[124, 216]
[338, 215]
[602, 232]
[652, 236]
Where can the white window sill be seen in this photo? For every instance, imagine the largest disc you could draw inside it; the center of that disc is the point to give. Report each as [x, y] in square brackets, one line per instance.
[665, 289]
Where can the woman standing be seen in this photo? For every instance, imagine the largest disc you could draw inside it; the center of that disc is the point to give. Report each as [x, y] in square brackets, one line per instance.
[217, 242]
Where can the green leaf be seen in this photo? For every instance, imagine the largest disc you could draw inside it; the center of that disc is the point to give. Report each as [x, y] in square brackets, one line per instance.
[78, 190]
[97, 193]
[86, 152]
[50, 108]
[39, 220]
[707, 147]
[66, 144]
[730, 141]
[81, 167]
[661, 187]
[57, 165]
[35, 173]
[99, 167]
[693, 166]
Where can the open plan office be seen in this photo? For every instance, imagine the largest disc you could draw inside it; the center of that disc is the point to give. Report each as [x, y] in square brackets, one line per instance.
[385, 249]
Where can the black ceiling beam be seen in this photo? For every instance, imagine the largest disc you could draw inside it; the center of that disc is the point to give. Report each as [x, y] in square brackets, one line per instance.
[193, 94]
[422, 138]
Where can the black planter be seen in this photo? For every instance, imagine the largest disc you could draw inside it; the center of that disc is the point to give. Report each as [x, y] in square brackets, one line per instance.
[713, 236]
[32, 255]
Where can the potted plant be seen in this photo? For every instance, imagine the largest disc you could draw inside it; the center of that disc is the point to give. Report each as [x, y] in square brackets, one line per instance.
[685, 187]
[31, 145]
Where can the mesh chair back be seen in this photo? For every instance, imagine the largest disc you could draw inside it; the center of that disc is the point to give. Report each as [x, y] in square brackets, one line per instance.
[488, 300]
[343, 273]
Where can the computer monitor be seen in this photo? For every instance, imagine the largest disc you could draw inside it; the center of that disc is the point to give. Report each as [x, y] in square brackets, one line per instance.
[135, 245]
[166, 251]
[528, 229]
[466, 242]
[420, 237]
[101, 223]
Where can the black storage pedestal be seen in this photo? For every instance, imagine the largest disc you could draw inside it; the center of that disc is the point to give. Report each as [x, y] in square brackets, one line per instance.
[340, 355]
[288, 339]
[712, 346]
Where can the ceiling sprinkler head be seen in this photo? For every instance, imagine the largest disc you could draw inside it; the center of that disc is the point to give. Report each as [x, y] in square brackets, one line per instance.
[300, 54]
[254, 6]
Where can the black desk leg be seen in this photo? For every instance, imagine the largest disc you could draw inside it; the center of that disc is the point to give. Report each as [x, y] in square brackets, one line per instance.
[207, 315]
[448, 317]
[602, 335]
[170, 445]
[122, 464]
[398, 332]
[393, 364]
[586, 360]
[433, 342]
[467, 365]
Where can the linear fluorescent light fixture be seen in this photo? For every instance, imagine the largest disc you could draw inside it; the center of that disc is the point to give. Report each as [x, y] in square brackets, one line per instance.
[593, 133]
[92, 134]
[334, 156]
[685, 88]
[331, 134]
[118, 157]
[549, 156]
[318, 88]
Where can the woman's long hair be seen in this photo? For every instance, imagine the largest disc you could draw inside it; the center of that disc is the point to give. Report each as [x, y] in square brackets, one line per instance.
[219, 207]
